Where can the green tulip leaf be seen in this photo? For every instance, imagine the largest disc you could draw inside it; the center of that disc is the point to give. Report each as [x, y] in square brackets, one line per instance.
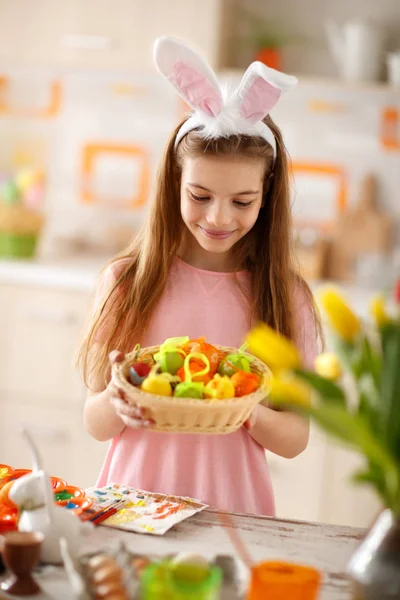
[355, 433]
[327, 389]
[391, 389]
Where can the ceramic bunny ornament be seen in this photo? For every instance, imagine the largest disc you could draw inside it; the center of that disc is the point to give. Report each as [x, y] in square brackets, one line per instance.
[74, 572]
[33, 495]
[216, 113]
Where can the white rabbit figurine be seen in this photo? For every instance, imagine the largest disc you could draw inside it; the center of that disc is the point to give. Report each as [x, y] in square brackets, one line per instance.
[33, 495]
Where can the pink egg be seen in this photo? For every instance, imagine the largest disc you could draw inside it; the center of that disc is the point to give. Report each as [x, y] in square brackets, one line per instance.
[33, 197]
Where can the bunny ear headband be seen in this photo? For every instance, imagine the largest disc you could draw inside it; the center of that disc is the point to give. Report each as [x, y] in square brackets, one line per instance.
[214, 115]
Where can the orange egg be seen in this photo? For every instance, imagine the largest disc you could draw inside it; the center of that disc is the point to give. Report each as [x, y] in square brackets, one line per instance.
[195, 367]
[213, 354]
[245, 383]
[188, 346]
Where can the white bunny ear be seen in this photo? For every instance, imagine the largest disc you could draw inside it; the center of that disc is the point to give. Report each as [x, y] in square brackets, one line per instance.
[260, 89]
[188, 72]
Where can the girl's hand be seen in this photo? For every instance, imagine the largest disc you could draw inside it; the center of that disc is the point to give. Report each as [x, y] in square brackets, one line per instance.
[252, 420]
[132, 416]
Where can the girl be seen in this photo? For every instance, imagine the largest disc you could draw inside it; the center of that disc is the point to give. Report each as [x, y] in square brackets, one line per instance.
[213, 257]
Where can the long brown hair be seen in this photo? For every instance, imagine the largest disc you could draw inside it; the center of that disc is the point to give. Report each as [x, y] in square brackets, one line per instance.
[265, 251]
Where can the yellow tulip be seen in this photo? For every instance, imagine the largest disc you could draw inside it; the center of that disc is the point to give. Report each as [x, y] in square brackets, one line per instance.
[340, 316]
[272, 348]
[378, 310]
[290, 391]
[327, 365]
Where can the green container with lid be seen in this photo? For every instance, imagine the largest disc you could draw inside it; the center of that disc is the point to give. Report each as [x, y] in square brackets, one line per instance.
[166, 581]
[17, 245]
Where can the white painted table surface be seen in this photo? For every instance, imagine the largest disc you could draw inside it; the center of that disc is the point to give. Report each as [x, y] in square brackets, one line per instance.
[325, 547]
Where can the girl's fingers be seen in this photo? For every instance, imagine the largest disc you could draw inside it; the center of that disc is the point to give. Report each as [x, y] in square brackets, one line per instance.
[252, 420]
[116, 356]
[116, 392]
[138, 423]
[120, 393]
[127, 410]
[124, 408]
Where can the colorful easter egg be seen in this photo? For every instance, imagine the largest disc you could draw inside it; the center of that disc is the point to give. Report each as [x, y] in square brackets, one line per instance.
[195, 368]
[220, 388]
[190, 389]
[245, 383]
[170, 361]
[158, 385]
[233, 363]
[213, 354]
[138, 373]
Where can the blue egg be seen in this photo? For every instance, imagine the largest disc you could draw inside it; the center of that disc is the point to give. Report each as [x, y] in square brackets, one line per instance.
[134, 378]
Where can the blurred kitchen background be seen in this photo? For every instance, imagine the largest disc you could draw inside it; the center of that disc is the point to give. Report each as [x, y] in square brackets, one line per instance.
[83, 121]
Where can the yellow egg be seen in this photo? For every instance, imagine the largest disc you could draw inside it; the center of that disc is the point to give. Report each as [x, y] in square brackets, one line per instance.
[158, 385]
[220, 388]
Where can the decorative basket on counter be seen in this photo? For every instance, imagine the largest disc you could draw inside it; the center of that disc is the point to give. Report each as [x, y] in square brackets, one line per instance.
[21, 218]
[19, 231]
[191, 415]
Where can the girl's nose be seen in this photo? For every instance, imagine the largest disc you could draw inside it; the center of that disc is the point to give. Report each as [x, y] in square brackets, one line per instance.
[219, 215]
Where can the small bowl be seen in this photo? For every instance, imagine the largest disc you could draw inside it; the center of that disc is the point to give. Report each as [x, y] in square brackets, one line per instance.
[56, 482]
[82, 505]
[76, 494]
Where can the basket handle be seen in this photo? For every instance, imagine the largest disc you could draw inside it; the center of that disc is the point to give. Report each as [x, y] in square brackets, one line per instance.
[132, 356]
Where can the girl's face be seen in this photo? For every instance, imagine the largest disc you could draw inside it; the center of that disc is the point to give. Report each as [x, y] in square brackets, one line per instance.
[221, 199]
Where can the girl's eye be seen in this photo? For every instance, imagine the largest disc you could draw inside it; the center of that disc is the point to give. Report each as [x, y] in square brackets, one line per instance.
[242, 204]
[199, 198]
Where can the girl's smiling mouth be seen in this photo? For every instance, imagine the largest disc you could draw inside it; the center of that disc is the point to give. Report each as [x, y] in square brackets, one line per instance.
[216, 234]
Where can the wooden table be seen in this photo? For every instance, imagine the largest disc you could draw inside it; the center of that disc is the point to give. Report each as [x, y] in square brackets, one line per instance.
[326, 547]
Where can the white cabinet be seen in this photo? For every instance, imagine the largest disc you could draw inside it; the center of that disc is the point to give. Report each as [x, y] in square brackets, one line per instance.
[67, 450]
[106, 33]
[344, 501]
[317, 486]
[40, 330]
[297, 482]
[39, 342]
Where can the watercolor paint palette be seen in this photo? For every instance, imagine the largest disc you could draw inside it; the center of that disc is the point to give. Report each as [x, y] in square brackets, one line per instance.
[143, 512]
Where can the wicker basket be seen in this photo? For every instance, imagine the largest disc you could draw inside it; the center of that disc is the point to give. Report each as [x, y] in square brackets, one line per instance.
[189, 415]
[19, 231]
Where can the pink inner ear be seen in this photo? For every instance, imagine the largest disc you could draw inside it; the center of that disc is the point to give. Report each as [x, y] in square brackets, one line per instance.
[260, 98]
[197, 89]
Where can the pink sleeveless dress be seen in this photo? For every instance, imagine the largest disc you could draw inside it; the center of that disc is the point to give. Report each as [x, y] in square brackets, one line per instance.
[228, 472]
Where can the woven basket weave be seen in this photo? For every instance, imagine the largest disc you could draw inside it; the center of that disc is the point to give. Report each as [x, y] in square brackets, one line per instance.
[20, 220]
[189, 415]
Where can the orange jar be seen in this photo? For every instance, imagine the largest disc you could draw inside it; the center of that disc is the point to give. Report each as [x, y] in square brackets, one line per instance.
[281, 581]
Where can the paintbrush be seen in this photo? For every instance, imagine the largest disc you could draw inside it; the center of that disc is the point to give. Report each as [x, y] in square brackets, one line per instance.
[108, 512]
[237, 542]
[94, 511]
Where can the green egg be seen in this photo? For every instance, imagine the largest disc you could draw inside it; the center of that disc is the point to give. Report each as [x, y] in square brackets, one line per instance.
[190, 390]
[171, 362]
[233, 363]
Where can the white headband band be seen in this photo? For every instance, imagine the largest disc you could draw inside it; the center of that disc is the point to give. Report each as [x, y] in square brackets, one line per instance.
[215, 116]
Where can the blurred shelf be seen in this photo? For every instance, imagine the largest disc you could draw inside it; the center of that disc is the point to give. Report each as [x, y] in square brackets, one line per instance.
[332, 82]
